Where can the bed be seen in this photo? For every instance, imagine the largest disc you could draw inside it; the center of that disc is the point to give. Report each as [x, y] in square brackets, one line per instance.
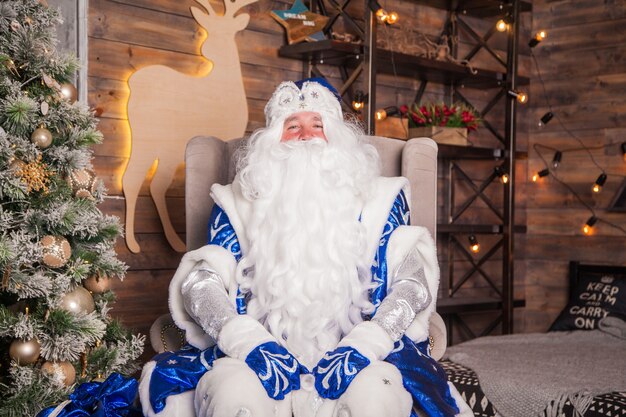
[577, 368]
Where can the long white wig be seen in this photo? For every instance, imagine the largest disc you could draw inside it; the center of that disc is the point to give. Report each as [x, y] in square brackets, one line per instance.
[305, 267]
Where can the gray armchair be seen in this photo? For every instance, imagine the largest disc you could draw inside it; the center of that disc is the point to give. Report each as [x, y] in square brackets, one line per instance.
[210, 160]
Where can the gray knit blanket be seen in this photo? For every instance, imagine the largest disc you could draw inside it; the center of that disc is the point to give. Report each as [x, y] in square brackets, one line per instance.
[522, 374]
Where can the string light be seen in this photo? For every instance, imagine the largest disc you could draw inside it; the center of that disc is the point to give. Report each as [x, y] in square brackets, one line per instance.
[502, 25]
[474, 245]
[541, 174]
[392, 18]
[539, 36]
[501, 172]
[359, 101]
[597, 187]
[588, 227]
[556, 160]
[545, 119]
[381, 14]
[519, 95]
[382, 114]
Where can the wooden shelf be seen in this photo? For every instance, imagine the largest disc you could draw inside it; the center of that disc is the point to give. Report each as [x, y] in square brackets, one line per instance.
[475, 152]
[477, 8]
[476, 228]
[343, 53]
[439, 71]
[453, 305]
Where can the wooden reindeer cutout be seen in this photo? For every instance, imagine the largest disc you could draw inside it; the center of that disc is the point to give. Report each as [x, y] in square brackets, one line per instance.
[167, 108]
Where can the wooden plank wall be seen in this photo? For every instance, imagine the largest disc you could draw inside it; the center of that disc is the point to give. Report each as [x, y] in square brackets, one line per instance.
[125, 35]
[583, 64]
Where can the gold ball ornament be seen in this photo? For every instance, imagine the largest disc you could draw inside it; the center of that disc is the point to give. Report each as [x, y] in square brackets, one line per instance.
[97, 284]
[64, 368]
[41, 137]
[25, 352]
[56, 251]
[83, 183]
[69, 92]
[78, 301]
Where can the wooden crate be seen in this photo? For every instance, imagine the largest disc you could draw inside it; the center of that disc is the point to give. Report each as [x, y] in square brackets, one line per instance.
[392, 127]
[444, 135]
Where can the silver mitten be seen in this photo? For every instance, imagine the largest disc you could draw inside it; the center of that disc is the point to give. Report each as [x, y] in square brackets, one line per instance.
[206, 300]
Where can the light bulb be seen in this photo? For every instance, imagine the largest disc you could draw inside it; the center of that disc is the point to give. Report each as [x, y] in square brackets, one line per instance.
[392, 18]
[500, 172]
[545, 119]
[588, 227]
[556, 160]
[501, 25]
[381, 114]
[539, 36]
[597, 186]
[541, 174]
[474, 245]
[519, 95]
[358, 101]
[382, 15]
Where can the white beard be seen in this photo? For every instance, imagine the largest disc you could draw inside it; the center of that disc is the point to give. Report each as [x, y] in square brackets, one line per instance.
[309, 286]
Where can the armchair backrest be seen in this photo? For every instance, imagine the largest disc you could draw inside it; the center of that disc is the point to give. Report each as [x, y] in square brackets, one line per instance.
[209, 160]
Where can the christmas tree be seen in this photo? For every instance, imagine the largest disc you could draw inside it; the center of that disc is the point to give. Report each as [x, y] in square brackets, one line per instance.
[56, 247]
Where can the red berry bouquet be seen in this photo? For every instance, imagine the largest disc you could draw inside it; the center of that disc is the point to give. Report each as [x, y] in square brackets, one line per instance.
[457, 115]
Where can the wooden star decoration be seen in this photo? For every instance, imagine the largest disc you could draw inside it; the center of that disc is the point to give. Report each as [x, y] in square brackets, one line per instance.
[301, 23]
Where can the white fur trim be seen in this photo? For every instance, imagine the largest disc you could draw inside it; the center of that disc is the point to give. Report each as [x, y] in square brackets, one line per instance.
[371, 340]
[179, 405]
[240, 335]
[376, 211]
[220, 260]
[237, 208]
[402, 241]
[377, 391]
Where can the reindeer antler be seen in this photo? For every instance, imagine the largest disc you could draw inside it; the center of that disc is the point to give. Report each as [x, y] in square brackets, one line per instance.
[231, 6]
[207, 6]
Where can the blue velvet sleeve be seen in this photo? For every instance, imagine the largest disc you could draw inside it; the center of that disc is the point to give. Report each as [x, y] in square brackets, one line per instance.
[398, 216]
[222, 233]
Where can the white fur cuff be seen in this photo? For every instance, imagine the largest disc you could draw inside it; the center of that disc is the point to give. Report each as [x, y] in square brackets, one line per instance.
[371, 340]
[240, 335]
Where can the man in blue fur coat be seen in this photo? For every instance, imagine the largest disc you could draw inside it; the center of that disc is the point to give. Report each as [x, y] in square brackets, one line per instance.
[313, 294]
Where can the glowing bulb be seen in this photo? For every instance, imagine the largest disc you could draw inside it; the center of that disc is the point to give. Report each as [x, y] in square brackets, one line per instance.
[474, 245]
[382, 15]
[501, 25]
[392, 18]
[381, 114]
[500, 172]
[541, 174]
[539, 36]
[519, 95]
[356, 105]
[588, 227]
[597, 186]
